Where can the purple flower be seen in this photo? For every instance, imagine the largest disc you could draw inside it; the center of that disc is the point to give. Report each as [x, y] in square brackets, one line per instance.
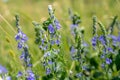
[20, 45]
[114, 43]
[31, 75]
[42, 47]
[114, 39]
[118, 39]
[24, 38]
[103, 65]
[52, 42]
[50, 62]
[85, 44]
[19, 74]
[21, 36]
[45, 47]
[18, 36]
[51, 28]
[108, 61]
[102, 40]
[73, 26]
[42, 41]
[94, 41]
[8, 78]
[3, 70]
[48, 71]
[57, 24]
[47, 54]
[22, 56]
[102, 56]
[72, 50]
[57, 42]
[110, 49]
[29, 65]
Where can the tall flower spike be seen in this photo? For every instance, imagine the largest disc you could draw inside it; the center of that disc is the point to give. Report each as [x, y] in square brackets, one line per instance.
[25, 56]
[55, 23]
[51, 28]
[48, 39]
[51, 12]
[110, 29]
[95, 37]
[17, 21]
[94, 41]
[75, 21]
[94, 25]
[104, 32]
[20, 36]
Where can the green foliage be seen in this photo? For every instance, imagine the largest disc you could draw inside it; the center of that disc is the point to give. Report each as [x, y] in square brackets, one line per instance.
[29, 10]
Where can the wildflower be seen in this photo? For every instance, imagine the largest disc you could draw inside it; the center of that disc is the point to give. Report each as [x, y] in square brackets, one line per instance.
[110, 49]
[94, 41]
[103, 55]
[8, 78]
[25, 56]
[51, 28]
[50, 62]
[20, 45]
[21, 36]
[47, 54]
[31, 75]
[102, 40]
[3, 70]
[72, 49]
[73, 27]
[108, 61]
[22, 55]
[57, 24]
[103, 65]
[49, 41]
[57, 42]
[113, 37]
[118, 38]
[85, 44]
[48, 71]
[19, 74]
[52, 42]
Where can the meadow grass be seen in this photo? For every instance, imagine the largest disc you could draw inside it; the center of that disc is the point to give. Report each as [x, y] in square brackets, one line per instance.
[36, 10]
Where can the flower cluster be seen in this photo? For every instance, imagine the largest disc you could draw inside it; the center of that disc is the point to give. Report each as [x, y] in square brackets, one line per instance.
[3, 73]
[107, 45]
[49, 40]
[98, 61]
[78, 50]
[75, 21]
[21, 38]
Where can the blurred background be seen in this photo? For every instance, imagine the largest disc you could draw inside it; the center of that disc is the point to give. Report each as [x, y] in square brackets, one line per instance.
[36, 10]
